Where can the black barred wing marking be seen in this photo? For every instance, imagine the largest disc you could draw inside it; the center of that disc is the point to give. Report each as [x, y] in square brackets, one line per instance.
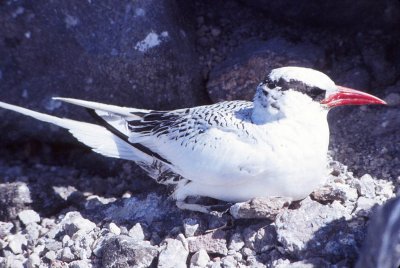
[161, 173]
[188, 124]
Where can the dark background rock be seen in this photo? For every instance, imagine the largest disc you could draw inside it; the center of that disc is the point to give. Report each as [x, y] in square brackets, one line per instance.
[346, 14]
[138, 54]
[238, 76]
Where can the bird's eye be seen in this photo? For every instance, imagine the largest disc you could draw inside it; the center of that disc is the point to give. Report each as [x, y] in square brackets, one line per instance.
[316, 93]
[269, 83]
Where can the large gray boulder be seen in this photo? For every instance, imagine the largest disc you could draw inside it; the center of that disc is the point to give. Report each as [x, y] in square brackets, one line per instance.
[131, 53]
[381, 247]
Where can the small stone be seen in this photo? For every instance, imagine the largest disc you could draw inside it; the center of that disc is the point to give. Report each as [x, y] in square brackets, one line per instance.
[79, 264]
[66, 255]
[32, 231]
[16, 242]
[28, 216]
[13, 262]
[190, 227]
[335, 191]
[51, 255]
[99, 243]
[3, 244]
[248, 252]
[259, 208]
[53, 245]
[73, 222]
[33, 261]
[229, 262]
[213, 242]
[236, 242]
[174, 254]
[5, 228]
[124, 251]
[66, 240]
[260, 239]
[366, 186]
[114, 228]
[199, 259]
[136, 232]
[385, 189]
[364, 206]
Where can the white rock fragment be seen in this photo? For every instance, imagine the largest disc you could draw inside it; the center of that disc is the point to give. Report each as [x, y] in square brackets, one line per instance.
[66, 255]
[33, 261]
[114, 228]
[364, 206]
[73, 222]
[190, 226]
[16, 242]
[5, 228]
[174, 254]
[28, 216]
[199, 259]
[366, 186]
[136, 232]
[50, 255]
[236, 243]
[150, 41]
[79, 264]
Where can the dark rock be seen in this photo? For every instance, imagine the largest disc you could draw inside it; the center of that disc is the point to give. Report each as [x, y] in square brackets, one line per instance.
[238, 76]
[138, 54]
[393, 99]
[259, 208]
[325, 14]
[381, 246]
[383, 68]
[123, 251]
[14, 197]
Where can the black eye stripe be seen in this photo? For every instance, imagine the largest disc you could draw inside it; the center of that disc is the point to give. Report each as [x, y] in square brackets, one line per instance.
[315, 93]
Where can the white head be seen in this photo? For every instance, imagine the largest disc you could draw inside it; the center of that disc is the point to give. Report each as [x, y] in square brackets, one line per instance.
[299, 91]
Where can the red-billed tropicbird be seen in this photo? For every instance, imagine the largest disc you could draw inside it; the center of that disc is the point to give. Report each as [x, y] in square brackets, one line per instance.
[275, 146]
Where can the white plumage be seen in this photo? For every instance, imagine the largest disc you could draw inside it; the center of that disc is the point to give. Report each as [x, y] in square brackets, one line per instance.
[231, 151]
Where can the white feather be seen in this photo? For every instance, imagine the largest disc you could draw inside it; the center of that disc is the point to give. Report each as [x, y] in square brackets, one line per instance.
[96, 137]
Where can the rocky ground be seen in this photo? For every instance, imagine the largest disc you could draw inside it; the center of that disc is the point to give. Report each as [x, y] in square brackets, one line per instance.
[62, 206]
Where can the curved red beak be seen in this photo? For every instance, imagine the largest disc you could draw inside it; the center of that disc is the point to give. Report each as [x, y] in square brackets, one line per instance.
[349, 96]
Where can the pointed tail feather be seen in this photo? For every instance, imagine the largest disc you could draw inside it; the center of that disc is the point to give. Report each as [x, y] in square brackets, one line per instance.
[122, 111]
[97, 137]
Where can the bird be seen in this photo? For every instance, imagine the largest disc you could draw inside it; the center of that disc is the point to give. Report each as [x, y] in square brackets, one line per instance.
[234, 151]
